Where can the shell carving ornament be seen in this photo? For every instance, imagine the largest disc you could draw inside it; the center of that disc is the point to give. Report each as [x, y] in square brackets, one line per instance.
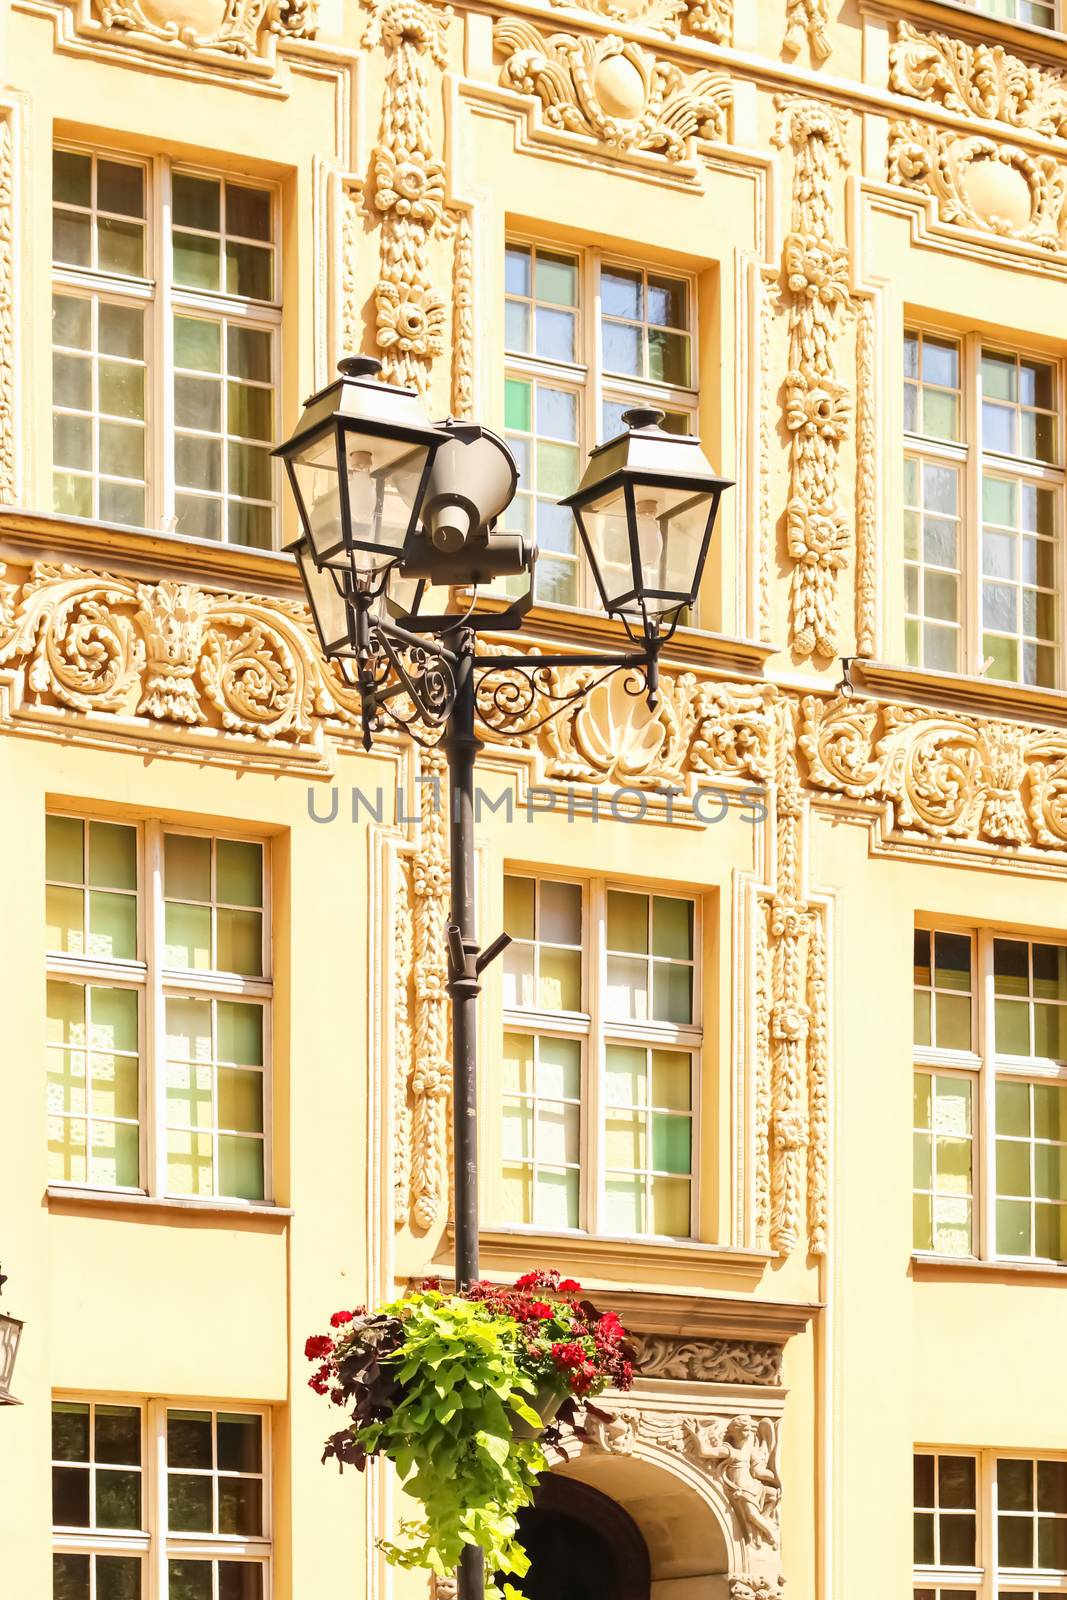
[612, 90]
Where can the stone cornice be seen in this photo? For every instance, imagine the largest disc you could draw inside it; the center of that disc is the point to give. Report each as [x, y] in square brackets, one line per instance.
[951, 691]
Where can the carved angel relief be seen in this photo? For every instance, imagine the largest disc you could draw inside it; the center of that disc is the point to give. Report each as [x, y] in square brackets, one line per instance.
[243, 30]
[612, 90]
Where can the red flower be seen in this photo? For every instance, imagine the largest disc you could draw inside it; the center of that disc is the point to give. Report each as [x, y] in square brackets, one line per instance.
[570, 1286]
[541, 1310]
[529, 1280]
[318, 1385]
[319, 1345]
[339, 1318]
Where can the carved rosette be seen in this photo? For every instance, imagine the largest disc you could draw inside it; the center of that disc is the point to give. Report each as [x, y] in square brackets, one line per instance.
[408, 190]
[816, 403]
[613, 91]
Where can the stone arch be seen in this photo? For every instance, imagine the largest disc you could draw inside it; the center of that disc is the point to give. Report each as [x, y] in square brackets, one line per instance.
[686, 1527]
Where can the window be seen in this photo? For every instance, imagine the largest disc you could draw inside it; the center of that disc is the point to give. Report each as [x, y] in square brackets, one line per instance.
[586, 338]
[165, 317]
[601, 1058]
[198, 1529]
[999, 1111]
[983, 452]
[158, 1025]
[1038, 13]
[989, 1525]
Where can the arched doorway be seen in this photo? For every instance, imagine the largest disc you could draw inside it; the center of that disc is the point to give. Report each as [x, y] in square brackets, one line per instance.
[582, 1546]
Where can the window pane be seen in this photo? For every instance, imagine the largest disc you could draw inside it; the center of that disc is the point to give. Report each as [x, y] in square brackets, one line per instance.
[190, 1580]
[556, 278]
[72, 177]
[70, 1577]
[958, 1541]
[240, 1580]
[196, 261]
[118, 1435]
[118, 1577]
[240, 1442]
[70, 1497]
[241, 1167]
[196, 201]
[957, 1482]
[519, 907]
[118, 1499]
[240, 1508]
[672, 928]
[189, 1439]
[70, 1431]
[627, 921]
[239, 872]
[248, 211]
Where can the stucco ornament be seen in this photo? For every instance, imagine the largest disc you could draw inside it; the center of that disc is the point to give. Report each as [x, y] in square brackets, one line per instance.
[170, 653]
[808, 21]
[8, 454]
[816, 404]
[978, 81]
[944, 777]
[240, 28]
[708, 1360]
[408, 190]
[612, 90]
[982, 183]
[709, 19]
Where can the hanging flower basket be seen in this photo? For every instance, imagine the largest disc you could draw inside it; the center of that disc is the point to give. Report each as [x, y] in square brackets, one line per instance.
[462, 1392]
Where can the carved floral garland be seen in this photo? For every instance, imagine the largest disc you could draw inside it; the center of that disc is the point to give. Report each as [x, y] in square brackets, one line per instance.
[816, 403]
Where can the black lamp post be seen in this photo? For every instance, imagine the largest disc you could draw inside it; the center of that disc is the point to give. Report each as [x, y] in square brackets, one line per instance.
[389, 504]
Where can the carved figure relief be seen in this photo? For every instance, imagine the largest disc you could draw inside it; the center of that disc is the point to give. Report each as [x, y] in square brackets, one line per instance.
[242, 29]
[817, 405]
[978, 81]
[808, 20]
[738, 1454]
[982, 183]
[408, 191]
[612, 90]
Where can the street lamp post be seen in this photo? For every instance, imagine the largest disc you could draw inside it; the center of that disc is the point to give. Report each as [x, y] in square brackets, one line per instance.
[392, 507]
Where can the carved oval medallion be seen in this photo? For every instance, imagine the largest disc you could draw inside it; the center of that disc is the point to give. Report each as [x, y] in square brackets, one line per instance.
[189, 20]
[619, 87]
[999, 194]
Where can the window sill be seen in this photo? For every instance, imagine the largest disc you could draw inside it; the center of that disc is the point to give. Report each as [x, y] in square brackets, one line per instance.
[61, 1197]
[933, 1267]
[29, 535]
[689, 1261]
[955, 692]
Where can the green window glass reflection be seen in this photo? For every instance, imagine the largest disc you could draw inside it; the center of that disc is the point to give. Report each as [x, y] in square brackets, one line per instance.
[214, 1079]
[213, 899]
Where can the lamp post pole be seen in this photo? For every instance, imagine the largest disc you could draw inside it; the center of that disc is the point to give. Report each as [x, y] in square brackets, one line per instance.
[380, 490]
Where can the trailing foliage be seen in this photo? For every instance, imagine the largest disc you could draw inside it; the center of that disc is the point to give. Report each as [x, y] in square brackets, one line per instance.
[437, 1383]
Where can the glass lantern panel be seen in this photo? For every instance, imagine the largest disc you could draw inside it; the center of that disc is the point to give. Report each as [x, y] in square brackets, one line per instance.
[671, 524]
[384, 480]
[604, 524]
[318, 490]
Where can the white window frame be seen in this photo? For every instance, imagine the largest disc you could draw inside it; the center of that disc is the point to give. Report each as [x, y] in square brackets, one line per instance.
[1016, 21]
[968, 455]
[596, 1032]
[157, 983]
[154, 1543]
[986, 1579]
[984, 1068]
[162, 300]
[586, 377]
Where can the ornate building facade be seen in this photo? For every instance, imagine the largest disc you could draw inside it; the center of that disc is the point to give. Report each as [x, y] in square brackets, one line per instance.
[825, 1184]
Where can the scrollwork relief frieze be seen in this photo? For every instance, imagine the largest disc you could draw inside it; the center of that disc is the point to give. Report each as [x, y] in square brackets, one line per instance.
[239, 30]
[612, 90]
[969, 780]
[707, 19]
[708, 1360]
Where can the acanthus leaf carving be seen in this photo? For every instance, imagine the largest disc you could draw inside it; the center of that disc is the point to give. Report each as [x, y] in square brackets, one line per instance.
[978, 81]
[612, 90]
